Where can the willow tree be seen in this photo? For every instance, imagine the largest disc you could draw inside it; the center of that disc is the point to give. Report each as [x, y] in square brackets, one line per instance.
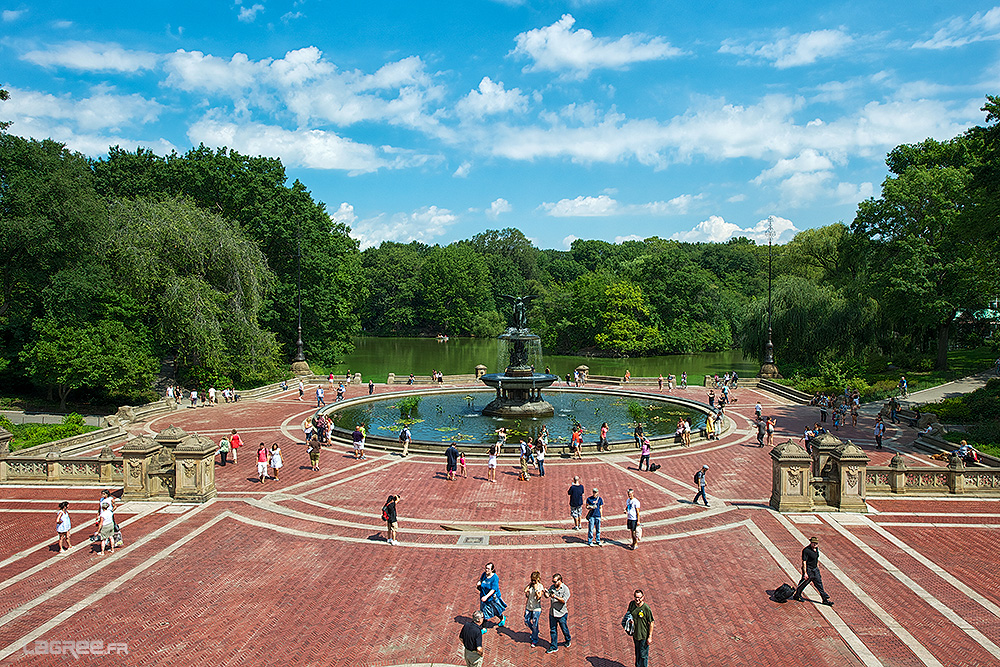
[202, 283]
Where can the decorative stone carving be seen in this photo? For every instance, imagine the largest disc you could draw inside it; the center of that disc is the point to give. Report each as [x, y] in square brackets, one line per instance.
[791, 479]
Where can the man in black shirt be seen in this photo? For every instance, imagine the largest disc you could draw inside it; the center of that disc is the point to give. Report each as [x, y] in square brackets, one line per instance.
[451, 454]
[472, 640]
[810, 572]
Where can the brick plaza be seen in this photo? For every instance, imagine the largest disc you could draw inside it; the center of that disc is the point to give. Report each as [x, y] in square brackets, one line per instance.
[297, 571]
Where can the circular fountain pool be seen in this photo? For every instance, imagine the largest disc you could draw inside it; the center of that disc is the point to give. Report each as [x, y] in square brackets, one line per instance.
[457, 417]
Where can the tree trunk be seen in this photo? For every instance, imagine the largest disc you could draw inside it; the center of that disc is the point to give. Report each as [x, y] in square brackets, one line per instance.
[63, 393]
[941, 364]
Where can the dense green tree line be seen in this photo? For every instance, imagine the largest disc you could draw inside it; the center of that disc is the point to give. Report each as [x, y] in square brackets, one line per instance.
[113, 266]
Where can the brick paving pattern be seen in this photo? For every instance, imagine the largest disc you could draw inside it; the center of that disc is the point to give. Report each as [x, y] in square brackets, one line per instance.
[297, 571]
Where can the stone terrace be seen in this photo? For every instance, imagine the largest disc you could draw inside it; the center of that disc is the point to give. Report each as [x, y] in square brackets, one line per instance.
[297, 572]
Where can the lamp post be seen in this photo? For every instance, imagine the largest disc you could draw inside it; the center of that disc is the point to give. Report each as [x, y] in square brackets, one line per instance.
[299, 364]
[768, 369]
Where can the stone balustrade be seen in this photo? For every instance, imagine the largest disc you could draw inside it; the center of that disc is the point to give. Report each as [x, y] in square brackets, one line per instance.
[897, 479]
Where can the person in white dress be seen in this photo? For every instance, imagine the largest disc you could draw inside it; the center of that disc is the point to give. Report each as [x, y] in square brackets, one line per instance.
[276, 459]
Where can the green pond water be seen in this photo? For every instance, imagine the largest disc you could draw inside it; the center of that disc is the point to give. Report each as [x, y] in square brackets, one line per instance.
[457, 417]
[375, 358]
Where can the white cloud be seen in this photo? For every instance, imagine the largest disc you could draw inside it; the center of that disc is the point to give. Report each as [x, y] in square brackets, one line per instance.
[463, 170]
[499, 206]
[93, 56]
[630, 237]
[312, 88]
[249, 14]
[12, 14]
[288, 17]
[716, 230]
[102, 110]
[576, 53]
[849, 193]
[735, 199]
[313, 149]
[568, 241]
[62, 25]
[716, 131]
[344, 214]
[793, 50]
[603, 206]
[491, 98]
[959, 31]
[422, 225]
[599, 206]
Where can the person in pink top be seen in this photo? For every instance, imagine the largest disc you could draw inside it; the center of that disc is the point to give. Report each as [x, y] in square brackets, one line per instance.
[262, 462]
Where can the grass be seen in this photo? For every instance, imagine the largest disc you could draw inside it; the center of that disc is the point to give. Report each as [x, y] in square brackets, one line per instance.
[33, 434]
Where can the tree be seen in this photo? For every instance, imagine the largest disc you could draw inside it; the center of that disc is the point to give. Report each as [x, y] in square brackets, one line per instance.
[105, 355]
[627, 323]
[392, 274]
[925, 265]
[455, 288]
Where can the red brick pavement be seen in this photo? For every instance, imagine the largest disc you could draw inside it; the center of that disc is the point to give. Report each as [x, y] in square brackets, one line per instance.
[296, 571]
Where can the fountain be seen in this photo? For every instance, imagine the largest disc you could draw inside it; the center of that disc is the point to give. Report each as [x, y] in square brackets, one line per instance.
[519, 387]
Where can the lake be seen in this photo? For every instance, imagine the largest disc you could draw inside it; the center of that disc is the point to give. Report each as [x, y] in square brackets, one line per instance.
[375, 358]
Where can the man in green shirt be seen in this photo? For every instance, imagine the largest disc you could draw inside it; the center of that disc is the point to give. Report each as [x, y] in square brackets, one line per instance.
[642, 615]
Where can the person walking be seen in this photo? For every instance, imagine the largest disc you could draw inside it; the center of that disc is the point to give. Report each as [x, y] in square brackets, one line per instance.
[313, 449]
[491, 463]
[371, 386]
[224, 448]
[235, 442]
[879, 432]
[405, 437]
[644, 454]
[106, 527]
[540, 456]
[533, 594]
[451, 461]
[642, 635]
[575, 493]
[320, 393]
[262, 462]
[594, 504]
[632, 517]
[602, 445]
[558, 593]
[771, 422]
[638, 434]
[810, 572]
[471, 637]
[276, 462]
[699, 479]
[358, 439]
[302, 389]
[63, 526]
[391, 522]
[761, 432]
[687, 432]
[491, 603]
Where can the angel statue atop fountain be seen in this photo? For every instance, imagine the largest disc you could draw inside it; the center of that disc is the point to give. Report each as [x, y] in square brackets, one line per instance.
[519, 317]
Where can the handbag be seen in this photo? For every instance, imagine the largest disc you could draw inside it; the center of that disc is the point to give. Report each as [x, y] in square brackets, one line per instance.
[638, 533]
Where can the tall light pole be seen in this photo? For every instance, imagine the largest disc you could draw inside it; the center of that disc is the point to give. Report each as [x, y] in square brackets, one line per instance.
[299, 364]
[768, 369]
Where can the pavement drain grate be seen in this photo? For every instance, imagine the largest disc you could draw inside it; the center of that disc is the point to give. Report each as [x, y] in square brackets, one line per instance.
[486, 505]
[474, 540]
[805, 519]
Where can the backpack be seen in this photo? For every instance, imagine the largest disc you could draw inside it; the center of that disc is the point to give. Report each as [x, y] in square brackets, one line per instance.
[697, 479]
[385, 512]
[628, 624]
[654, 467]
[402, 435]
[783, 593]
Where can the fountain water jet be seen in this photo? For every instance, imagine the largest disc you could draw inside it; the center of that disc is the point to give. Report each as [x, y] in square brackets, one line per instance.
[519, 387]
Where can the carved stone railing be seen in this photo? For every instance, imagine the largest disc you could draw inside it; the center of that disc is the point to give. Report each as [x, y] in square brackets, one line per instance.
[55, 467]
[897, 478]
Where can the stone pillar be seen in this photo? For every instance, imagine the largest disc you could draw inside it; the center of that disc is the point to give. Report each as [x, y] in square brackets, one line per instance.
[391, 379]
[5, 438]
[356, 379]
[822, 446]
[584, 373]
[106, 464]
[849, 464]
[301, 368]
[137, 458]
[897, 474]
[52, 466]
[791, 490]
[194, 467]
[170, 437]
[956, 475]
[480, 371]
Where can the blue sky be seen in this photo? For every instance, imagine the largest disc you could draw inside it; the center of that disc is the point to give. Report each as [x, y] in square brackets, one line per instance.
[583, 119]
